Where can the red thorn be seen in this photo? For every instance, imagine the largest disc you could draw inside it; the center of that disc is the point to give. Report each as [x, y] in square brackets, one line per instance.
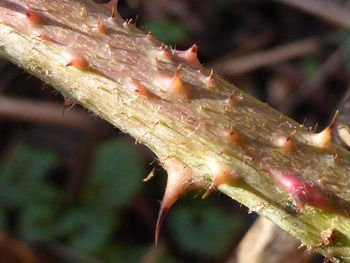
[180, 181]
[231, 100]
[284, 142]
[151, 39]
[232, 136]
[114, 9]
[222, 174]
[100, 27]
[177, 87]
[323, 138]
[165, 52]
[161, 215]
[140, 89]
[44, 36]
[34, 19]
[78, 62]
[211, 81]
[189, 55]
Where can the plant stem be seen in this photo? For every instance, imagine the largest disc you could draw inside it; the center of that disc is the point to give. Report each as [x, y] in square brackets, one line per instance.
[126, 78]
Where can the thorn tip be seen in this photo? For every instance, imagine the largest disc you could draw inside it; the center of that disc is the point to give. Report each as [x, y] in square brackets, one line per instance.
[323, 138]
[180, 180]
[34, 19]
[189, 55]
[176, 86]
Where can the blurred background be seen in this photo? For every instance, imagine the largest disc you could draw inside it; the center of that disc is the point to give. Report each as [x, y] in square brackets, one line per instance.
[71, 186]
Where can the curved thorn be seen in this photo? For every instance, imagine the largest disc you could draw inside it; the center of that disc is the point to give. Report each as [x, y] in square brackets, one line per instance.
[161, 215]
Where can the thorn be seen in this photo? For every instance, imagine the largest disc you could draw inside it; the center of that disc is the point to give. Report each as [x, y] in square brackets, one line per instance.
[130, 23]
[222, 174]
[100, 27]
[189, 55]
[328, 236]
[323, 138]
[151, 39]
[231, 100]
[114, 10]
[211, 189]
[165, 52]
[44, 36]
[140, 89]
[84, 11]
[180, 181]
[150, 175]
[77, 62]
[211, 81]
[163, 211]
[34, 19]
[284, 142]
[232, 136]
[68, 105]
[176, 86]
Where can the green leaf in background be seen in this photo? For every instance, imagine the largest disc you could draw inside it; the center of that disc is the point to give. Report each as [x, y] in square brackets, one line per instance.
[22, 179]
[88, 229]
[116, 174]
[204, 230]
[167, 258]
[126, 253]
[309, 67]
[167, 31]
[37, 222]
[2, 218]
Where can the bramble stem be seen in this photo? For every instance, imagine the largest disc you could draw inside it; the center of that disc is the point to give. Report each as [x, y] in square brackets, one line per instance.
[125, 77]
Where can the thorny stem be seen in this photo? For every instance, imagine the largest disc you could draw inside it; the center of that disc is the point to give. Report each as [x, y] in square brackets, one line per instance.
[215, 135]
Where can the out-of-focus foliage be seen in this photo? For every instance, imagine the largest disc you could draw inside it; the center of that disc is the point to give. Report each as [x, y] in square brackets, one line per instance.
[195, 227]
[167, 31]
[88, 227]
[92, 226]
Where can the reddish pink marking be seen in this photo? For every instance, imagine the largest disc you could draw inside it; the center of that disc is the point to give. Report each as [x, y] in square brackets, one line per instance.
[303, 192]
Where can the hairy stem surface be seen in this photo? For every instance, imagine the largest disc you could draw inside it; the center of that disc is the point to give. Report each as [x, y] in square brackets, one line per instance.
[286, 172]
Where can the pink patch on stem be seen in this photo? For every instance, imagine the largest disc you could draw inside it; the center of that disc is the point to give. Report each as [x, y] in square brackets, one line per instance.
[303, 192]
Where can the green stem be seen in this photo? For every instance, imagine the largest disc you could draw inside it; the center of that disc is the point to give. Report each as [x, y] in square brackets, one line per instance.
[190, 121]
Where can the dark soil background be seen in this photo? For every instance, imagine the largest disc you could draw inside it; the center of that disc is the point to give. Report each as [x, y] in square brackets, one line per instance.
[71, 185]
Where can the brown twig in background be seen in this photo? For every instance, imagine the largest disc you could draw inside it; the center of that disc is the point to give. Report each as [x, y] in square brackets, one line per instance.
[47, 113]
[325, 10]
[315, 82]
[266, 242]
[229, 66]
[64, 253]
[153, 254]
[12, 250]
[342, 136]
